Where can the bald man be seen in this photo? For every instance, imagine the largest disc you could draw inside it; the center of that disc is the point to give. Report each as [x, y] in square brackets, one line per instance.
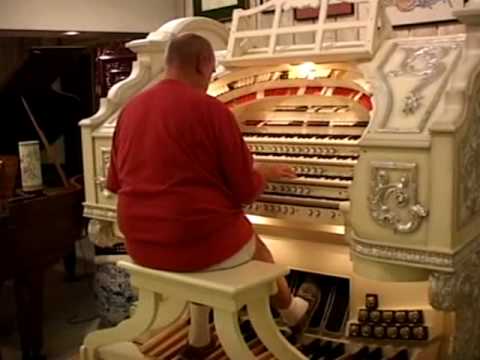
[182, 173]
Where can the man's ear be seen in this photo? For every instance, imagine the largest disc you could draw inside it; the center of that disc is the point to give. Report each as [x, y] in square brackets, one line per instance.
[203, 65]
[200, 65]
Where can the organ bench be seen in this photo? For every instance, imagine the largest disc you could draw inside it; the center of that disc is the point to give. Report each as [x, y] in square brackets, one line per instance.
[164, 295]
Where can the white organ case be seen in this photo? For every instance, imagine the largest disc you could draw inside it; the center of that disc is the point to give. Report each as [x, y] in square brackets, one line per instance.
[384, 135]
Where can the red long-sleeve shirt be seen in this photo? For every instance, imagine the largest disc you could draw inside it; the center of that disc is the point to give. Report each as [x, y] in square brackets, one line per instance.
[182, 172]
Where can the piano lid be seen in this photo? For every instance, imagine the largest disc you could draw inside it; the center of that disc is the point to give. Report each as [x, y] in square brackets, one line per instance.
[56, 112]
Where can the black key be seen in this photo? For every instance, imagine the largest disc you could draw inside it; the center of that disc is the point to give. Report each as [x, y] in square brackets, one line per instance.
[376, 354]
[360, 354]
[336, 352]
[401, 355]
[309, 348]
[322, 351]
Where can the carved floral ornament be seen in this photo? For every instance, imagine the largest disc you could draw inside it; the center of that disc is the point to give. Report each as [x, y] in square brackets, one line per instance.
[459, 291]
[411, 5]
[393, 196]
[470, 164]
[101, 233]
[101, 180]
[425, 63]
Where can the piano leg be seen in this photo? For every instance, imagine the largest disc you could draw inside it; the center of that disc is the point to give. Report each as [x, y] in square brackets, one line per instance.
[29, 302]
[1, 284]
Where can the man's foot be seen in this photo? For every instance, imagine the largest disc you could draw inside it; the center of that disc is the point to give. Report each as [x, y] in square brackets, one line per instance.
[310, 293]
[190, 352]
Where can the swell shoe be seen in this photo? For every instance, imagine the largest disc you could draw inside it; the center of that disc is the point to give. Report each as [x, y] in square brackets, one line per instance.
[310, 292]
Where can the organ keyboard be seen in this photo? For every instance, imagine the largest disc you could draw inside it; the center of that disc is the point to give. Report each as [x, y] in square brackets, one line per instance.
[383, 135]
[320, 142]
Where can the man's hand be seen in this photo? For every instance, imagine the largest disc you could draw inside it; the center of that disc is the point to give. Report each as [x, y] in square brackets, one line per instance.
[275, 171]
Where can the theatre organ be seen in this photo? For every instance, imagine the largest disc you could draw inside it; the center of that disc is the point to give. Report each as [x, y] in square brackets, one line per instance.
[383, 134]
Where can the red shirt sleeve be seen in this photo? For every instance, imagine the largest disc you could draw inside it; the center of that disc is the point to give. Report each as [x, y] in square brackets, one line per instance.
[242, 180]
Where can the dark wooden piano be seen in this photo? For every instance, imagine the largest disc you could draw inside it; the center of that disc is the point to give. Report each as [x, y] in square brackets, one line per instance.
[35, 233]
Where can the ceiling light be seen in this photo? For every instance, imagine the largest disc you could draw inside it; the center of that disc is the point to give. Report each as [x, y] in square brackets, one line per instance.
[71, 33]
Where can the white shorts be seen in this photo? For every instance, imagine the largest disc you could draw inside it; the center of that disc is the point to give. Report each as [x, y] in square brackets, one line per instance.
[244, 255]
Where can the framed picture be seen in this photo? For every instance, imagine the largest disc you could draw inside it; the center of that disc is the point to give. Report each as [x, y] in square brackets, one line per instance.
[217, 9]
[409, 12]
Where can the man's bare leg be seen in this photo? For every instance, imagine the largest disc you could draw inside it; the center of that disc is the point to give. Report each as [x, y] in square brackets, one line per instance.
[283, 298]
[296, 311]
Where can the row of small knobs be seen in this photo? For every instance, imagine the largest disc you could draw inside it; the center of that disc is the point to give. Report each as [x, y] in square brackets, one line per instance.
[284, 209]
[292, 189]
[317, 213]
[290, 210]
[307, 170]
[293, 149]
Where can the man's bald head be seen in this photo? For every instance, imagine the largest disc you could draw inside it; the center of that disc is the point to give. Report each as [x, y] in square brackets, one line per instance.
[187, 49]
[190, 58]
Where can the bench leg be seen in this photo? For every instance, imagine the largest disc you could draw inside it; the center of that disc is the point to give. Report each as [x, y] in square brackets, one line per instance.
[268, 332]
[228, 331]
[152, 310]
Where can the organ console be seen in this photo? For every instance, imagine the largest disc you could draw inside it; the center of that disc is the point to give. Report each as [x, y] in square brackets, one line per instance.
[383, 134]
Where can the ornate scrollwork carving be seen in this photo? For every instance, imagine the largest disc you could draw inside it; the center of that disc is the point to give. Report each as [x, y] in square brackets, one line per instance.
[393, 196]
[460, 291]
[468, 309]
[410, 5]
[442, 290]
[470, 164]
[425, 63]
[101, 180]
[101, 233]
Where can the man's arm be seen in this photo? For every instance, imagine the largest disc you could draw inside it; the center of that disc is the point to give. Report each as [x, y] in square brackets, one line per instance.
[244, 182]
[245, 179]
[274, 171]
